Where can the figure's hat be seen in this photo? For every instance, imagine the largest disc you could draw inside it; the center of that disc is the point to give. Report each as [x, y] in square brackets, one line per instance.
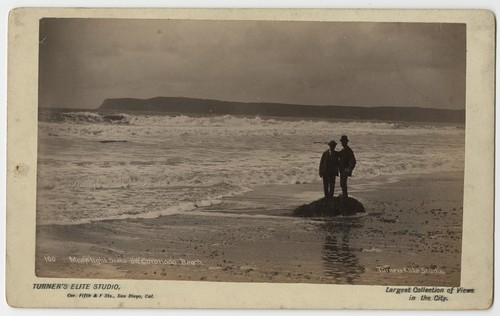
[344, 138]
[332, 142]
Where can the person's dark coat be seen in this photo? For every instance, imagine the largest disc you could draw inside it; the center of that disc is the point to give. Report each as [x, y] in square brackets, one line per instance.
[329, 164]
[347, 161]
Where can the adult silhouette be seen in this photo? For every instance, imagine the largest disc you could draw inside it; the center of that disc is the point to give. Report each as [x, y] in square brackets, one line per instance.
[329, 169]
[347, 162]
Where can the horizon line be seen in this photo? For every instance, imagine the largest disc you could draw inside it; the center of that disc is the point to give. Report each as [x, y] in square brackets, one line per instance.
[258, 102]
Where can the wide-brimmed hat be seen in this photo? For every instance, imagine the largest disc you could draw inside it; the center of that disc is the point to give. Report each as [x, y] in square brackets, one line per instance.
[344, 138]
[332, 142]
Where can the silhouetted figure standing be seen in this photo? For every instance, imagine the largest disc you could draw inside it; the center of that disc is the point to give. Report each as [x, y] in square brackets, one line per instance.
[347, 162]
[329, 169]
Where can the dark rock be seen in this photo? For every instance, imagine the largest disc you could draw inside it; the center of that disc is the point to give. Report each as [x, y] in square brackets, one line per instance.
[112, 141]
[330, 207]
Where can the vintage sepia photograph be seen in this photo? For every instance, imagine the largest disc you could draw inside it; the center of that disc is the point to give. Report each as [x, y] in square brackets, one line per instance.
[319, 152]
[250, 158]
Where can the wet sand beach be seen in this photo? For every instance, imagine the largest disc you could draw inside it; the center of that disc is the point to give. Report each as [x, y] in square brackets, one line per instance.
[410, 235]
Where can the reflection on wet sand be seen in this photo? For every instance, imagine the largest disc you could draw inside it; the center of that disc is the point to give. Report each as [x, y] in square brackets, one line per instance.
[339, 259]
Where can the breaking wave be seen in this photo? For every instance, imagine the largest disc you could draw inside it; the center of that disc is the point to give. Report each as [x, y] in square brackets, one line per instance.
[147, 125]
[82, 117]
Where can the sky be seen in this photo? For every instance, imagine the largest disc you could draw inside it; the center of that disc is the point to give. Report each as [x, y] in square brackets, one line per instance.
[85, 61]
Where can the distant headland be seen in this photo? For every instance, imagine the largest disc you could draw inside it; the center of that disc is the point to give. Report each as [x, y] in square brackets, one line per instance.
[183, 105]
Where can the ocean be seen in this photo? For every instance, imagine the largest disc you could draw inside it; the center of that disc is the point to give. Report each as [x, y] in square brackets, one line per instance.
[96, 166]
